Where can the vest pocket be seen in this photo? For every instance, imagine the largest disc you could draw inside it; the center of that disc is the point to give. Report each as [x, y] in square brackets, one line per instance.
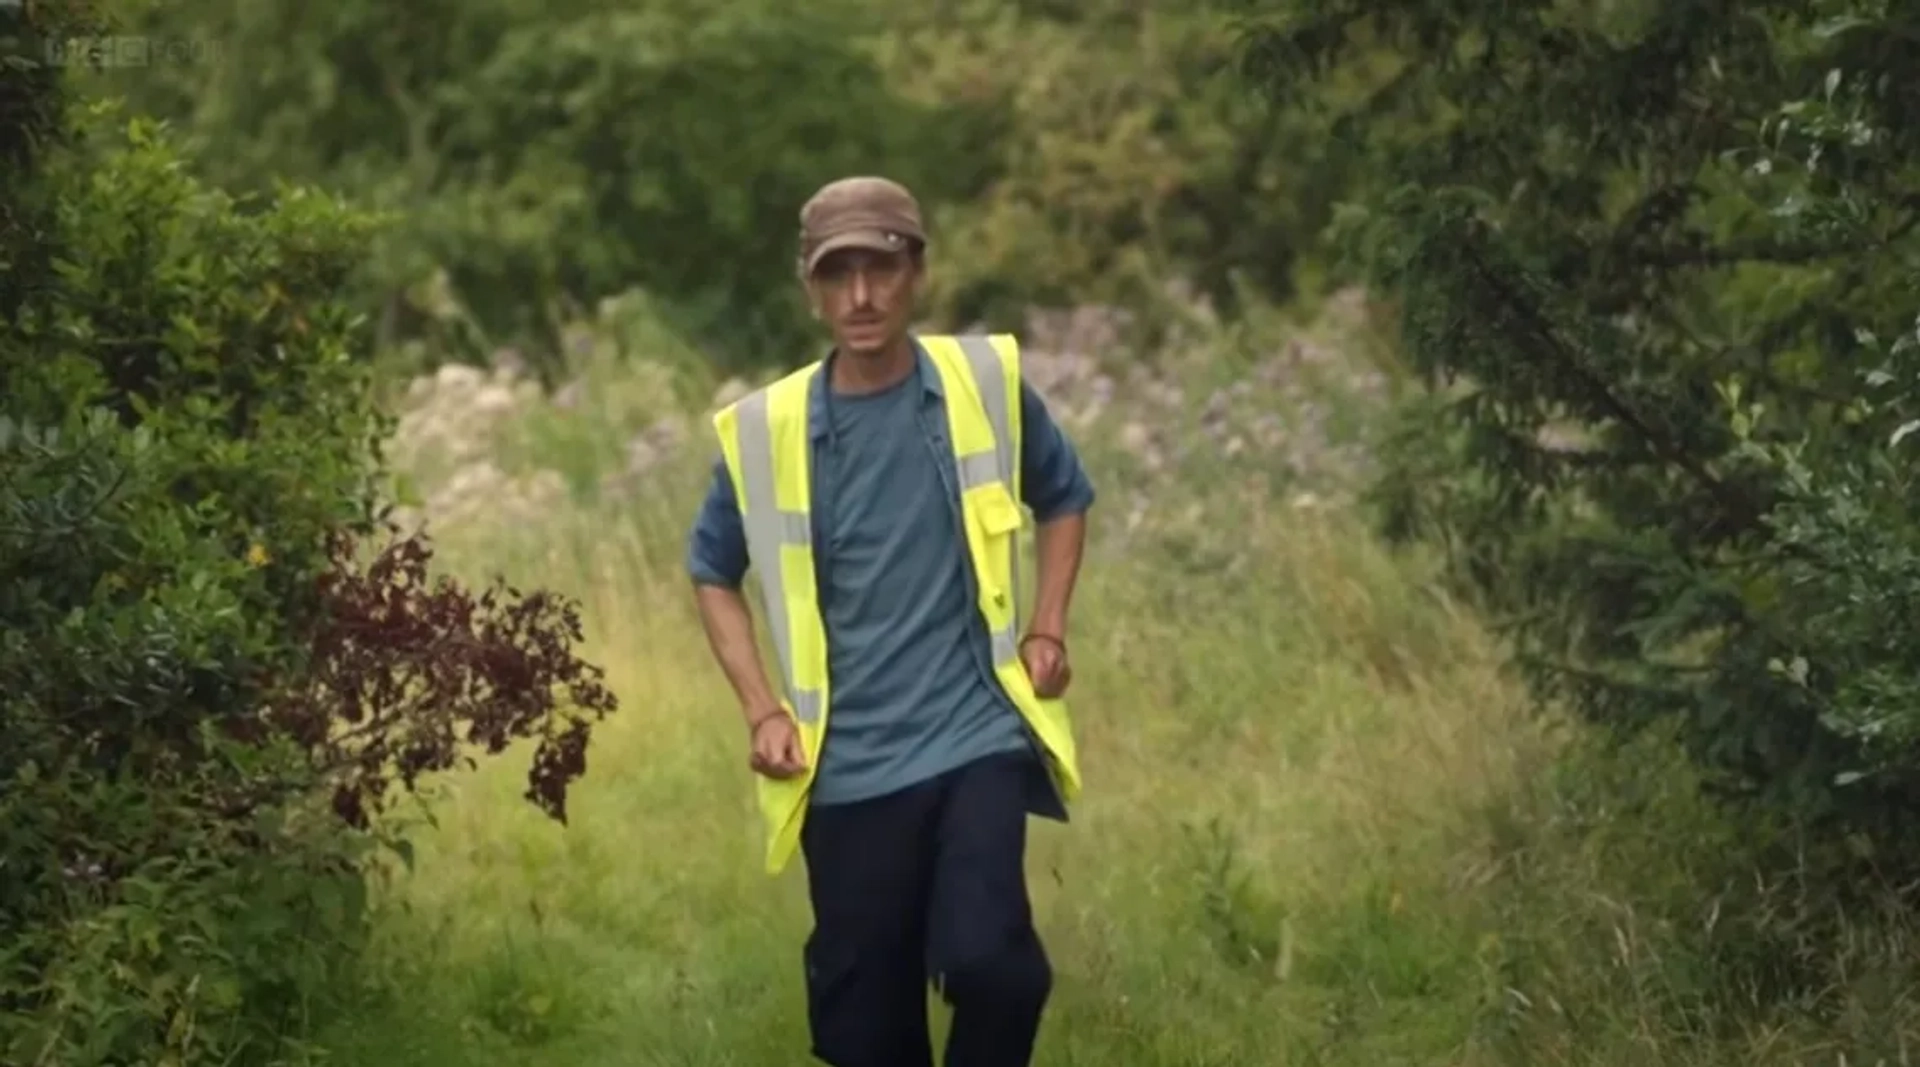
[999, 513]
[993, 520]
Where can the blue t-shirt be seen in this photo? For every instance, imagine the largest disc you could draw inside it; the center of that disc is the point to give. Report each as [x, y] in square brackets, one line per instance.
[909, 657]
[909, 698]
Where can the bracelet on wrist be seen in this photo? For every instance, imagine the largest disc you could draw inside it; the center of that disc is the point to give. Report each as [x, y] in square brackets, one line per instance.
[1058, 641]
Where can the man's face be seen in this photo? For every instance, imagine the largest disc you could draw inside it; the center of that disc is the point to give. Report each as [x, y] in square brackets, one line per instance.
[866, 297]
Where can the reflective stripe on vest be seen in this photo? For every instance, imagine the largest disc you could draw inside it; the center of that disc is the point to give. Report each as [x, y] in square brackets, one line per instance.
[774, 536]
[766, 441]
[999, 460]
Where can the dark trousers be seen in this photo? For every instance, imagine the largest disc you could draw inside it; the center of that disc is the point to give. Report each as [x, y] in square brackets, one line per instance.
[925, 884]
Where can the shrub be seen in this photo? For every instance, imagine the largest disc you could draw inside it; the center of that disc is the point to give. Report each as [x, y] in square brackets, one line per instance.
[1661, 259]
[192, 660]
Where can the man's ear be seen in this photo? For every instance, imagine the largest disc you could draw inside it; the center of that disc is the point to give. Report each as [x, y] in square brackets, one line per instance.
[806, 289]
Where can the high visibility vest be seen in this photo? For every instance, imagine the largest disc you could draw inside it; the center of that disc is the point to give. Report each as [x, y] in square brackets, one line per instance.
[766, 441]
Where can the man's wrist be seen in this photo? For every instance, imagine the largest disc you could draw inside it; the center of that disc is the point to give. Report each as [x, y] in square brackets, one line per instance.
[1050, 637]
[1051, 622]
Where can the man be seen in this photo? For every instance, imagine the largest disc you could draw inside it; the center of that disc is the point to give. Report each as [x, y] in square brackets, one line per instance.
[874, 492]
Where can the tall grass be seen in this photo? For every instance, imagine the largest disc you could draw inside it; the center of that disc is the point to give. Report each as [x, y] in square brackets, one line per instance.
[1320, 826]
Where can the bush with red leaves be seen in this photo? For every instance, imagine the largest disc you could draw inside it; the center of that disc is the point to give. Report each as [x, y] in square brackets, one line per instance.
[409, 675]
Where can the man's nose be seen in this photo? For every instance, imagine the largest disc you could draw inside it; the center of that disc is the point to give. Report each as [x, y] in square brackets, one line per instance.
[861, 291]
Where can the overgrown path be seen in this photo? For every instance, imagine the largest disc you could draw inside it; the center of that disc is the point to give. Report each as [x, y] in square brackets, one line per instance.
[1283, 761]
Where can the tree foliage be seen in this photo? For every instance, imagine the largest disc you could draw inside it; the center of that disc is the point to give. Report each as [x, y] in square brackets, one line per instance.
[1134, 156]
[1658, 261]
[195, 653]
[546, 156]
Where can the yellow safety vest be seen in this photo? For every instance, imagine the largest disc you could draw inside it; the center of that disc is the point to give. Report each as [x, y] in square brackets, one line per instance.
[766, 440]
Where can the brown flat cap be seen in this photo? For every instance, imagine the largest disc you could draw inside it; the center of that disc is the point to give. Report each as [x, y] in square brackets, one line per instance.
[860, 212]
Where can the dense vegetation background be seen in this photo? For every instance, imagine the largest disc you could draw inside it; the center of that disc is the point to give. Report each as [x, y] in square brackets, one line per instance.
[1496, 635]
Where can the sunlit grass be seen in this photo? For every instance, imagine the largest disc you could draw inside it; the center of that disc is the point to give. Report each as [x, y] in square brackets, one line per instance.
[1321, 827]
[1284, 760]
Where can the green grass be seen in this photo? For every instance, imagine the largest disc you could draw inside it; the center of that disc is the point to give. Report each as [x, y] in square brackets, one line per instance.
[1320, 828]
[1273, 806]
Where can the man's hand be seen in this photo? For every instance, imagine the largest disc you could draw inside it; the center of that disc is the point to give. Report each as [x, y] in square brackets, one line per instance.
[777, 751]
[1045, 658]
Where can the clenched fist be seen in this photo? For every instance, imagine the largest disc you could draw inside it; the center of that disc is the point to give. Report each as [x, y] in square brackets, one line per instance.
[1045, 658]
[776, 750]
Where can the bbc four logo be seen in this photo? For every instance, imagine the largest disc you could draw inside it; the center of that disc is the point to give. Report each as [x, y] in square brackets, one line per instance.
[129, 51]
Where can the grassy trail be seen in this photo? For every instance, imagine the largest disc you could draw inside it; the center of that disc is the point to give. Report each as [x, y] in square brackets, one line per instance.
[1321, 826]
[1288, 759]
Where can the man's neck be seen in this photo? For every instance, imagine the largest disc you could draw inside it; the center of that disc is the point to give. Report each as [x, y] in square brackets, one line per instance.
[871, 374]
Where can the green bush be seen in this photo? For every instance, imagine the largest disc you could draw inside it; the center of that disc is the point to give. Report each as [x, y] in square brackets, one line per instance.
[207, 690]
[179, 439]
[1660, 260]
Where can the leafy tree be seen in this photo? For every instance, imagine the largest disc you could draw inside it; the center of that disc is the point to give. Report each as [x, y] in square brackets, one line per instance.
[1136, 156]
[553, 154]
[1658, 261]
[548, 156]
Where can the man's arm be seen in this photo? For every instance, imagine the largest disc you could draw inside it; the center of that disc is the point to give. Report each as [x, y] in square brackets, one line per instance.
[1057, 545]
[717, 562]
[1055, 486]
[729, 626]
